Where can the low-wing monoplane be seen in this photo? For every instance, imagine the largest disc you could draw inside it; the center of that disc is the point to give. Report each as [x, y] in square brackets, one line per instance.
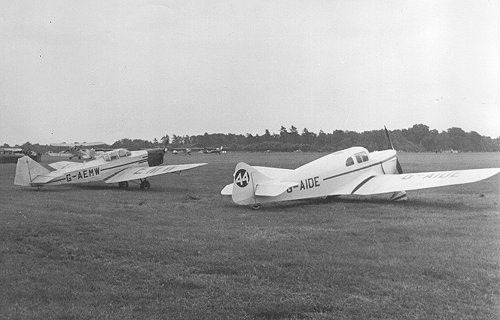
[187, 151]
[353, 171]
[116, 166]
[218, 150]
[83, 151]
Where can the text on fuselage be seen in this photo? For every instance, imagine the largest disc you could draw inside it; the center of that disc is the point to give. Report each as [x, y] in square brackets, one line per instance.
[434, 175]
[82, 174]
[306, 184]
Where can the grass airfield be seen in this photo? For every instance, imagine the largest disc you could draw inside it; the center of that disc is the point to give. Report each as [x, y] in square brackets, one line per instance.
[182, 251]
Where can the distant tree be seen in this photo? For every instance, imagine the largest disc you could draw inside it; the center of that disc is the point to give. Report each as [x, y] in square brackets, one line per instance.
[322, 138]
[294, 135]
[267, 136]
[283, 134]
[176, 140]
[416, 133]
[165, 140]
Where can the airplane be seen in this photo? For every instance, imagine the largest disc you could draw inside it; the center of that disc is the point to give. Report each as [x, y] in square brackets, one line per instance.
[116, 166]
[220, 150]
[77, 150]
[10, 155]
[353, 171]
[187, 151]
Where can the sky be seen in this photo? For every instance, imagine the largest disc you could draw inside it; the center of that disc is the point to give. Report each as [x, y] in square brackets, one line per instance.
[106, 70]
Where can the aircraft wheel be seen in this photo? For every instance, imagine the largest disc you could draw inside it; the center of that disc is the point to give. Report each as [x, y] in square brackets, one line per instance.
[145, 185]
[256, 206]
[123, 184]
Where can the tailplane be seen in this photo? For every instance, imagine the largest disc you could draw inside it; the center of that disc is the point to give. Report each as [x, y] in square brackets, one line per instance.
[250, 183]
[244, 184]
[246, 180]
[27, 170]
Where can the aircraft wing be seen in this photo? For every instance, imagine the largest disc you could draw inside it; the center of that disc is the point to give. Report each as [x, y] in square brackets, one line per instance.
[376, 184]
[145, 172]
[266, 189]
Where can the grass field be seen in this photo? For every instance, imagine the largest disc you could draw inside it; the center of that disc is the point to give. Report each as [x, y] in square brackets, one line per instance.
[181, 251]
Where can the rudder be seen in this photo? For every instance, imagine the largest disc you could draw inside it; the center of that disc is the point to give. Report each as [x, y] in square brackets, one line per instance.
[246, 178]
[26, 171]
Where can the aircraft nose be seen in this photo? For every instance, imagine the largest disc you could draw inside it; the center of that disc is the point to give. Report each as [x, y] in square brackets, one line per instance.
[155, 157]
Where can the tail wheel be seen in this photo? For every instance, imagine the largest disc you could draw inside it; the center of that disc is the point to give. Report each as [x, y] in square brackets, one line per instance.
[145, 185]
[123, 184]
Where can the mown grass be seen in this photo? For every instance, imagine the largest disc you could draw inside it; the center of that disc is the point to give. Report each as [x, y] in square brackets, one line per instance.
[181, 251]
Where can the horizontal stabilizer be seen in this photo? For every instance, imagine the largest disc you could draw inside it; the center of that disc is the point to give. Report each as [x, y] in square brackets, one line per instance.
[273, 188]
[228, 190]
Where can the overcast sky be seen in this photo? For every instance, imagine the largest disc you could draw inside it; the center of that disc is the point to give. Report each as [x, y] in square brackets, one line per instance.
[106, 70]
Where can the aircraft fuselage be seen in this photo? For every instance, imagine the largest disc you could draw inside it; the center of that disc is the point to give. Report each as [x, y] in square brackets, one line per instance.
[333, 173]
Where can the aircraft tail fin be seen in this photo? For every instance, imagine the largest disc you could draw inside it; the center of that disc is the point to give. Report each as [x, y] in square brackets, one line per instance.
[251, 182]
[27, 170]
[246, 179]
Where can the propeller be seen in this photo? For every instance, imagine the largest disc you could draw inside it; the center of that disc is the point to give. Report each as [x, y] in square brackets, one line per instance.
[398, 165]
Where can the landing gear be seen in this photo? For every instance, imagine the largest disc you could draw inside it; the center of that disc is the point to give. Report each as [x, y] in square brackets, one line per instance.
[256, 206]
[145, 185]
[123, 184]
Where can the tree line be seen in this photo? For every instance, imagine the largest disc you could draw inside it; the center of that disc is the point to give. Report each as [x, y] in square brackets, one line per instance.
[419, 138]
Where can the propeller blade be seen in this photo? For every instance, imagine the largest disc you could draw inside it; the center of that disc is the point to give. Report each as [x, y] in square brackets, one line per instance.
[388, 137]
[398, 166]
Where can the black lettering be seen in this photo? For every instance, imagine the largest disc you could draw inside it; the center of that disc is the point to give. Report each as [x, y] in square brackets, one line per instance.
[302, 187]
[91, 172]
[80, 176]
[96, 171]
[316, 181]
[85, 174]
[68, 177]
[310, 183]
[289, 190]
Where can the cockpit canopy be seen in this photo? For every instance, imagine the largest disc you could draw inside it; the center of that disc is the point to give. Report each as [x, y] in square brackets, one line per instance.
[360, 158]
[116, 154]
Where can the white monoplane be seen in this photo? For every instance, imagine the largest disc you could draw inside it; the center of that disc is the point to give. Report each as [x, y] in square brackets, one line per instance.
[353, 171]
[116, 166]
[79, 150]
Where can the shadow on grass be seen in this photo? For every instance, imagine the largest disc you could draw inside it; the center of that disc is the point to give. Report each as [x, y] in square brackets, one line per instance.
[411, 203]
[106, 187]
[294, 311]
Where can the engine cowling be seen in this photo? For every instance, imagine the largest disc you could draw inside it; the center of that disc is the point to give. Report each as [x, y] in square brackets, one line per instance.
[155, 157]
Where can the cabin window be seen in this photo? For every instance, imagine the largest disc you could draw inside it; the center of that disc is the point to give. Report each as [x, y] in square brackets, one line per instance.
[349, 162]
[361, 157]
[106, 157]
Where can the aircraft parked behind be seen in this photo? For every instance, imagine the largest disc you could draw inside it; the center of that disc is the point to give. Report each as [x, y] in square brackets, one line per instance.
[79, 150]
[116, 166]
